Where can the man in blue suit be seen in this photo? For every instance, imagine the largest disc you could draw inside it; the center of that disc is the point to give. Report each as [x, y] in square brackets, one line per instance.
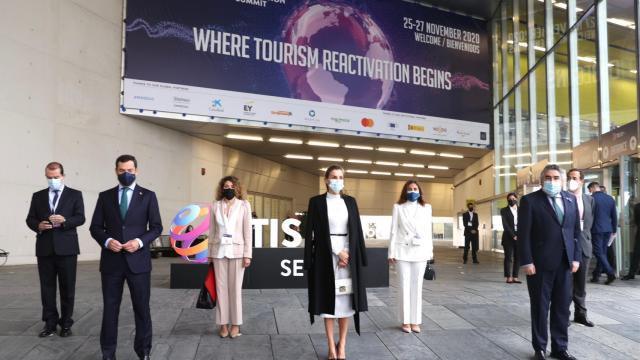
[605, 224]
[549, 234]
[125, 221]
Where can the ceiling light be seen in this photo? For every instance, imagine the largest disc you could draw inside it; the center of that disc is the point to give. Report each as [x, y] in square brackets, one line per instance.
[633, 71]
[438, 167]
[502, 167]
[387, 163]
[413, 165]
[323, 169]
[516, 155]
[285, 140]
[451, 155]
[380, 173]
[622, 22]
[540, 48]
[357, 171]
[299, 157]
[422, 152]
[244, 137]
[334, 159]
[508, 174]
[391, 149]
[523, 165]
[425, 176]
[322, 143]
[403, 174]
[358, 147]
[359, 161]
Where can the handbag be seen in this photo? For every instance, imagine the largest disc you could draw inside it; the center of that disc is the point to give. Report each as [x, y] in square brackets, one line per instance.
[207, 297]
[343, 286]
[429, 273]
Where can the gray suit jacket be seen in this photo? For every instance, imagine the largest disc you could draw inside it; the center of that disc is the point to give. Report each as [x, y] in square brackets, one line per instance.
[587, 217]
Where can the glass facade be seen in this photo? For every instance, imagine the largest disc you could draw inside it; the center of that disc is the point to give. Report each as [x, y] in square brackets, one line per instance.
[565, 72]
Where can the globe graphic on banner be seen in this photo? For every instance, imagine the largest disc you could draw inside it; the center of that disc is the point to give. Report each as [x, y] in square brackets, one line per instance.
[341, 28]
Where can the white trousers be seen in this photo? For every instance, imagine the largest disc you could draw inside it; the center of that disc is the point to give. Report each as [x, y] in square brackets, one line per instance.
[410, 276]
[229, 274]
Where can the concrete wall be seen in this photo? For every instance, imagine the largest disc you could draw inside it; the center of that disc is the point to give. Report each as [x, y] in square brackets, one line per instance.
[475, 182]
[376, 197]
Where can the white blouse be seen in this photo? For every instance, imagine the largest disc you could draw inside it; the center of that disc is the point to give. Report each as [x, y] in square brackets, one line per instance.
[338, 222]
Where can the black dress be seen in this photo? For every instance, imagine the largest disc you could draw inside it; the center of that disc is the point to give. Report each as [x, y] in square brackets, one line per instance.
[318, 259]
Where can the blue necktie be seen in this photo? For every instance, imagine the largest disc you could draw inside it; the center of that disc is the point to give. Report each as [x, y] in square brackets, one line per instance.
[124, 203]
[55, 198]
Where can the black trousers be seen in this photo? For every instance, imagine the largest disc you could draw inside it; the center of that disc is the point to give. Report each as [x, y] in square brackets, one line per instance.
[140, 289]
[473, 241]
[550, 290]
[579, 288]
[57, 271]
[635, 258]
[511, 261]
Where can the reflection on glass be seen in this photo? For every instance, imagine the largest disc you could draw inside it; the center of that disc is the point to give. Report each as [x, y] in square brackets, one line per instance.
[622, 62]
[587, 78]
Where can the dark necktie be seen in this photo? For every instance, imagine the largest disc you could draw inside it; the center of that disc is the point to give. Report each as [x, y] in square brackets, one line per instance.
[55, 198]
[124, 203]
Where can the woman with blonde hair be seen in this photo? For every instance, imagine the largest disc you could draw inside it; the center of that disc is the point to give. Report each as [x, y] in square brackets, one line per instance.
[230, 252]
[334, 254]
[410, 247]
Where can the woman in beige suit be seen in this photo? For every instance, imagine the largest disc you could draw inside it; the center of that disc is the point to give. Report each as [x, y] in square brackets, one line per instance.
[410, 247]
[230, 251]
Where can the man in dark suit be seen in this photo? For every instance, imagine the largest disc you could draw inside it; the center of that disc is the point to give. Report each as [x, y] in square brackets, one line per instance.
[549, 233]
[126, 220]
[509, 215]
[54, 215]
[471, 223]
[605, 224]
[575, 179]
[635, 254]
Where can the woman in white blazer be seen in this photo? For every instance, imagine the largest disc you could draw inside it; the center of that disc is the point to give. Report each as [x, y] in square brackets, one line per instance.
[230, 251]
[410, 247]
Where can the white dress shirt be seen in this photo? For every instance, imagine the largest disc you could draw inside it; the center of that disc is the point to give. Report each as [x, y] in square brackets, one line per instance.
[52, 194]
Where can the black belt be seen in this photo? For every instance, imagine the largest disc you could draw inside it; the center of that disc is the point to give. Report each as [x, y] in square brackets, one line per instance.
[339, 234]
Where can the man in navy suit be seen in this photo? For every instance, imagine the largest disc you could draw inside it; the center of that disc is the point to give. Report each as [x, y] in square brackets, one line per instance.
[549, 234]
[126, 220]
[54, 215]
[605, 224]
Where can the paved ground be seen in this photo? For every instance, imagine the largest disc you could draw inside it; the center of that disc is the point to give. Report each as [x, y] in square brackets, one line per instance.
[469, 313]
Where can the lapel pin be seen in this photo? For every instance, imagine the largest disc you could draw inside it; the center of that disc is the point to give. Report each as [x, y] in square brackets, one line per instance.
[140, 193]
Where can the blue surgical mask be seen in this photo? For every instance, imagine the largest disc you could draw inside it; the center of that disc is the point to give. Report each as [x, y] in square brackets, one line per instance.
[336, 185]
[552, 188]
[54, 184]
[413, 195]
[126, 178]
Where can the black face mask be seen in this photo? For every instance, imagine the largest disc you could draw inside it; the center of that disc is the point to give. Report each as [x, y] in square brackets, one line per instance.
[512, 202]
[229, 193]
[126, 178]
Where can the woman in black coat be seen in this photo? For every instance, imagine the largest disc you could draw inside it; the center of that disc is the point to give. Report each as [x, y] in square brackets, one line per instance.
[334, 250]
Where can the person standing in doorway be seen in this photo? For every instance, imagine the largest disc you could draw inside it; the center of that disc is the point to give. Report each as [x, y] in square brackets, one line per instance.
[509, 215]
[54, 215]
[471, 236]
[334, 257]
[410, 247]
[575, 179]
[126, 220]
[548, 235]
[230, 250]
[604, 228]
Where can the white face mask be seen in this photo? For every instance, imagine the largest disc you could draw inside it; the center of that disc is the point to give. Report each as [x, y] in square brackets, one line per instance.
[336, 185]
[54, 184]
[573, 185]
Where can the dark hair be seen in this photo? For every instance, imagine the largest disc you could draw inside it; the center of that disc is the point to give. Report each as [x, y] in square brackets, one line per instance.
[55, 165]
[329, 170]
[512, 194]
[125, 158]
[236, 185]
[470, 203]
[405, 188]
[547, 168]
[576, 170]
[592, 185]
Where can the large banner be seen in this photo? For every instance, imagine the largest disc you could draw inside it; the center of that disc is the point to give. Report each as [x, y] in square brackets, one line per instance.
[373, 66]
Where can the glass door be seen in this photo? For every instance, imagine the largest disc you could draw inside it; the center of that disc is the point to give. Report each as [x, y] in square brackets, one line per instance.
[626, 198]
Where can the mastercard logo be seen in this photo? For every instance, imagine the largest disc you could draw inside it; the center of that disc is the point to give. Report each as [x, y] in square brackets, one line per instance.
[367, 122]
